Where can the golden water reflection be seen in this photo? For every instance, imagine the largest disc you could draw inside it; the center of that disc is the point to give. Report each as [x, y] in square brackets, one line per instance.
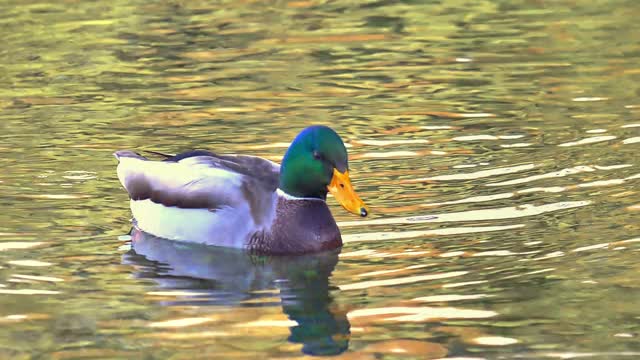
[233, 277]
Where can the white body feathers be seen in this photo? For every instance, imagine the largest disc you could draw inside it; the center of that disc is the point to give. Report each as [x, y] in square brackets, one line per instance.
[220, 207]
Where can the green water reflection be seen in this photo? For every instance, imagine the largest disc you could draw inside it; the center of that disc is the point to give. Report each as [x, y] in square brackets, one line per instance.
[230, 278]
[495, 141]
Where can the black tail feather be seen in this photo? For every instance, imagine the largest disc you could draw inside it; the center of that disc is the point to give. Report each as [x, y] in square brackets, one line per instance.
[166, 156]
[128, 154]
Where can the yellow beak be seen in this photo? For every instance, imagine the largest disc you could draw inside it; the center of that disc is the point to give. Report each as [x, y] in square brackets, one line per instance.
[341, 188]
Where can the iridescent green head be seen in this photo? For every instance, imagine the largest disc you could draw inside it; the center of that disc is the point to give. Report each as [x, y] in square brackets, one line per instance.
[316, 163]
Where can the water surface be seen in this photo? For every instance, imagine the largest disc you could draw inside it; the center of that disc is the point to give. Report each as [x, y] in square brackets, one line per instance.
[495, 141]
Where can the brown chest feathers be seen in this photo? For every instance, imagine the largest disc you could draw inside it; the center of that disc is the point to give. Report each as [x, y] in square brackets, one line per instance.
[299, 227]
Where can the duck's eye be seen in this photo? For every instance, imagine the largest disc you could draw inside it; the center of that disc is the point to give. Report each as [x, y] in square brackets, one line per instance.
[317, 155]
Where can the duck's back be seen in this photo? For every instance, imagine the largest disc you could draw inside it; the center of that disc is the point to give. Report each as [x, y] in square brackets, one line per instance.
[200, 196]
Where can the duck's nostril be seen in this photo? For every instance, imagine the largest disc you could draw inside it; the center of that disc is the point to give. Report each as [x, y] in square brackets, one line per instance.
[363, 212]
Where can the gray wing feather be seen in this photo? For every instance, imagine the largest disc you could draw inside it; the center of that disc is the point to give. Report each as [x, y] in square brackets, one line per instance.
[203, 181]
[257, 169]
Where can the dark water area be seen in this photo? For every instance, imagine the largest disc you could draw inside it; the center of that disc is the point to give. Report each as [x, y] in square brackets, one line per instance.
[494, 141]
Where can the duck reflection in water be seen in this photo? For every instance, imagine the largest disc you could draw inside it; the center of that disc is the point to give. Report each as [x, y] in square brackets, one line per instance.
[229, 276]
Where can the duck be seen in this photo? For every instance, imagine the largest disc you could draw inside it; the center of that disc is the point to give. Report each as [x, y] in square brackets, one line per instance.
[244, 201]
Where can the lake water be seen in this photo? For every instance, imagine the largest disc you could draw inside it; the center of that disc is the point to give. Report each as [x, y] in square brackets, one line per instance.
[496, 143]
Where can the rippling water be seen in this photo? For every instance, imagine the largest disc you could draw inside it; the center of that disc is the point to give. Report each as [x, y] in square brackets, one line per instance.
[495, 141]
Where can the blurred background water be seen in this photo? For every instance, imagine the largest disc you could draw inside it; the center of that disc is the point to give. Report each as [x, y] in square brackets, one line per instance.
[495, 142]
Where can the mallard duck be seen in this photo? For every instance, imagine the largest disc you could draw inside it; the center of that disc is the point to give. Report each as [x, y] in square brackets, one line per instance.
[245, 201]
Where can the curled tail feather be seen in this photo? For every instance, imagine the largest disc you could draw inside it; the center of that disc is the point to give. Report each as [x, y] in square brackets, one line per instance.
[128, 154]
